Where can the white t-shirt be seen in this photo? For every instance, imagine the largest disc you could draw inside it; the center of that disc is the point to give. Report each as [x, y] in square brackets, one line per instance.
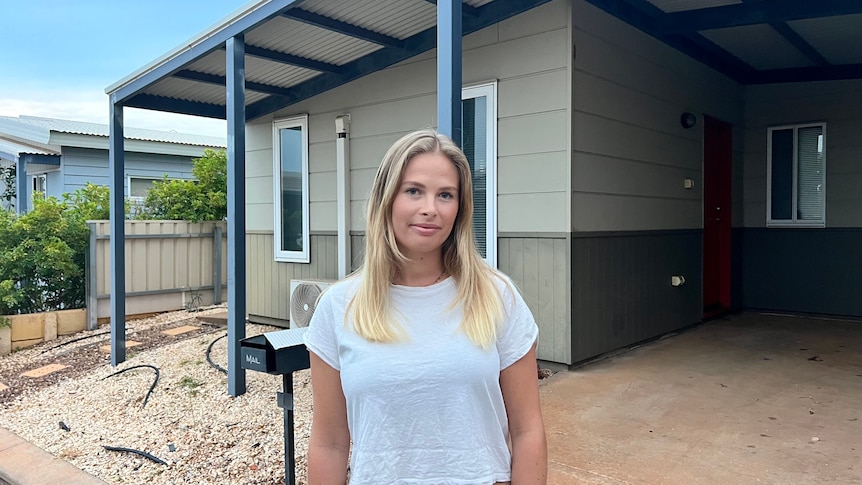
[426, 410]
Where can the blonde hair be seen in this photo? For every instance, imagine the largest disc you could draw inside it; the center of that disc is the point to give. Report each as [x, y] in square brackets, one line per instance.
[477, 293]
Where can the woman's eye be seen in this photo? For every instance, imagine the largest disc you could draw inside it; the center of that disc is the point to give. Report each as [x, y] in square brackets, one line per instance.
[447, 195]
[412, 191]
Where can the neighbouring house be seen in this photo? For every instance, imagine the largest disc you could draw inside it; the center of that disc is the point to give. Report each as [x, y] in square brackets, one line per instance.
[640, 165]
[55, 156]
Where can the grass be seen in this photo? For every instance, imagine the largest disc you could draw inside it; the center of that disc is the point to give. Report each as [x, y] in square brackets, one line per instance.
[191, 385]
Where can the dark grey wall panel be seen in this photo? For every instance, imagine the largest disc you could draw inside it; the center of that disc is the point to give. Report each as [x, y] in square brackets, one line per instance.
[621, 287]
[736, 261]
[803, 270]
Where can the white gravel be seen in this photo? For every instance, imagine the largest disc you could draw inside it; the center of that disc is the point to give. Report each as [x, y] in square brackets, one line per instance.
[217, 439]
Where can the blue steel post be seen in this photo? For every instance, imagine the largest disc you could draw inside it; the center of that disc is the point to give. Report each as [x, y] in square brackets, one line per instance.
[236, 276]
[21, 191]
[116, 167]
[449, 68]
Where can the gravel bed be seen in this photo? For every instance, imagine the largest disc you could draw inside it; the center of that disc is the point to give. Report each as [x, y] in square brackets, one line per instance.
[190, 422]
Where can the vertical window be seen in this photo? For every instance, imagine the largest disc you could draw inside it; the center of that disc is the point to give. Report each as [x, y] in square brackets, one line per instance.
[40, 183]
[479, 142]
[290, 151]
[796, 175]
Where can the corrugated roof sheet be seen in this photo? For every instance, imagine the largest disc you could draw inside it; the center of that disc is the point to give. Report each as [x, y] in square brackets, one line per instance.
[11, 148]
[837, 38]
[96, 129]
[395, 18]
[760, 46]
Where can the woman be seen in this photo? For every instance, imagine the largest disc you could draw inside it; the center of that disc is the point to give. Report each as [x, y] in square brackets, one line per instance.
[425, 358]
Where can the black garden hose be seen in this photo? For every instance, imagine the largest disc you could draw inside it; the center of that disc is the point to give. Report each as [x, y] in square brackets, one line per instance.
[137, 452]
[76, 340]
[155, 381]
[209, 349]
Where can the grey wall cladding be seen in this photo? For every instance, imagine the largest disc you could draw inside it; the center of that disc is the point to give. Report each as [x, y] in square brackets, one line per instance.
[803, 270]
[621, 287]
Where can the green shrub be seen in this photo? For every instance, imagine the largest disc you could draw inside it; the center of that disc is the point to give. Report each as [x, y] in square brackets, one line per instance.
[43, 252]
[42, 259]
[204, 199]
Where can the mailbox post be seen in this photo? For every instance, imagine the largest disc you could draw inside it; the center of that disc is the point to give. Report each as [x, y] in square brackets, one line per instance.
[279, 353]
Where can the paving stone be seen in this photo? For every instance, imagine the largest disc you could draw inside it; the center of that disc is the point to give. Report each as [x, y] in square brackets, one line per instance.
[44, 370]
[129, 343]
[180, 330]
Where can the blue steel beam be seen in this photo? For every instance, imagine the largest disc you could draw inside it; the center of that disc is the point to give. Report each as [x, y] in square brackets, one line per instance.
[753, 13]
[465, 9]
[796, 40]
[646, 17]
[807, 74]
[342, 28]
[293, 60]
[217, 80]
[449, 69]
[253, 19]
[489, 14]
[173, 105]
[236, 276]
[116, 168]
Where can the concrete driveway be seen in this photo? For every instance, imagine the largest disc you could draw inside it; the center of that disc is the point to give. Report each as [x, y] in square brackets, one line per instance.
[748, 399]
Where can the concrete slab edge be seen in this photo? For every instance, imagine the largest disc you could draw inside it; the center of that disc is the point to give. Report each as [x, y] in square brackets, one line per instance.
[23, 463]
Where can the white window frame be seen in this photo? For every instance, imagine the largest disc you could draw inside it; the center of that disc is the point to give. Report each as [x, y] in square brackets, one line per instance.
[280, 254]
[129, 178]
[793, 222]
[489, 90]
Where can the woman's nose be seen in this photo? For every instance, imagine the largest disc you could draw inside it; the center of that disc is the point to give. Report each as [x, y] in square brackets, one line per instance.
[429, 205]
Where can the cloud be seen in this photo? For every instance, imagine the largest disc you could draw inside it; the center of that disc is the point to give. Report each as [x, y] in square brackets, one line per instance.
[93, 107]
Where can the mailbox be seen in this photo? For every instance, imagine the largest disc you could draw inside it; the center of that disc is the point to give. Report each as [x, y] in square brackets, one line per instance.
[282, 353]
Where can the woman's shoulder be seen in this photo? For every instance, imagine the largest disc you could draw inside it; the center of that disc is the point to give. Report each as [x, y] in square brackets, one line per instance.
[341, 290]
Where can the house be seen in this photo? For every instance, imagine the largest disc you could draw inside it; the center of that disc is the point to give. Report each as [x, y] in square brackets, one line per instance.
[645, 165]
[56, 156]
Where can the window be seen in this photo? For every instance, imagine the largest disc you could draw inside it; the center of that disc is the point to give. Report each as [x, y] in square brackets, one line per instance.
[140, 186]
[290, 153]
[796, 175]
[479, 142]
[40, 184]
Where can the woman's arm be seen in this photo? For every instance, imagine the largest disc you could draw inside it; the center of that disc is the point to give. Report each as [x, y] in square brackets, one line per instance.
[330, 439]
[520, 385]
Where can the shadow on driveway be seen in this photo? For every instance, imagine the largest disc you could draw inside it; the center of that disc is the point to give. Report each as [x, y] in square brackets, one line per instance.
[748, 399]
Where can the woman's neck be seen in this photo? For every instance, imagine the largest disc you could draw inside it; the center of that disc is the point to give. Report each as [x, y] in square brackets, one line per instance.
[421, 273]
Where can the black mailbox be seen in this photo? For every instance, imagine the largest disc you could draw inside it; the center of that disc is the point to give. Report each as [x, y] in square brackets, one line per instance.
[280, 352]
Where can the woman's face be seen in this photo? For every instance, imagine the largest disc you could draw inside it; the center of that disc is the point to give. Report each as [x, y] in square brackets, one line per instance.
[425, 208]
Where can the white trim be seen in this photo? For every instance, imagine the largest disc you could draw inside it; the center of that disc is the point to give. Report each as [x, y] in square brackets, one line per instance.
[793, 221]
[489, 91]
[280, 255]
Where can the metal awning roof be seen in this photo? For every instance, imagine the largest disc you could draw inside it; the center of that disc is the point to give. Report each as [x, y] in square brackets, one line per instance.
[756, 41]
[296, 49]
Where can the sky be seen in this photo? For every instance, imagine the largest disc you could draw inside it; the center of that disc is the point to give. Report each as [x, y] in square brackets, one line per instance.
[58, 56]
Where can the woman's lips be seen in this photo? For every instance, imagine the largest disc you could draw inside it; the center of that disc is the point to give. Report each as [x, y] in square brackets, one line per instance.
[425, 229]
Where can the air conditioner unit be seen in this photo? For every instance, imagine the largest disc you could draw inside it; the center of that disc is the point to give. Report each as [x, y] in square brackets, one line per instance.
[304, 295]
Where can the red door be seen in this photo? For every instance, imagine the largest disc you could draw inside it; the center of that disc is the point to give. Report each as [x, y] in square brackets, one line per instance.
[717, 178]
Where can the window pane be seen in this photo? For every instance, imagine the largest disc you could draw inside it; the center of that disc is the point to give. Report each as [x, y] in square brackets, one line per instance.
[291, 188]
[782, 174]
[809, 206]
[140, 187]
[474, 144]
